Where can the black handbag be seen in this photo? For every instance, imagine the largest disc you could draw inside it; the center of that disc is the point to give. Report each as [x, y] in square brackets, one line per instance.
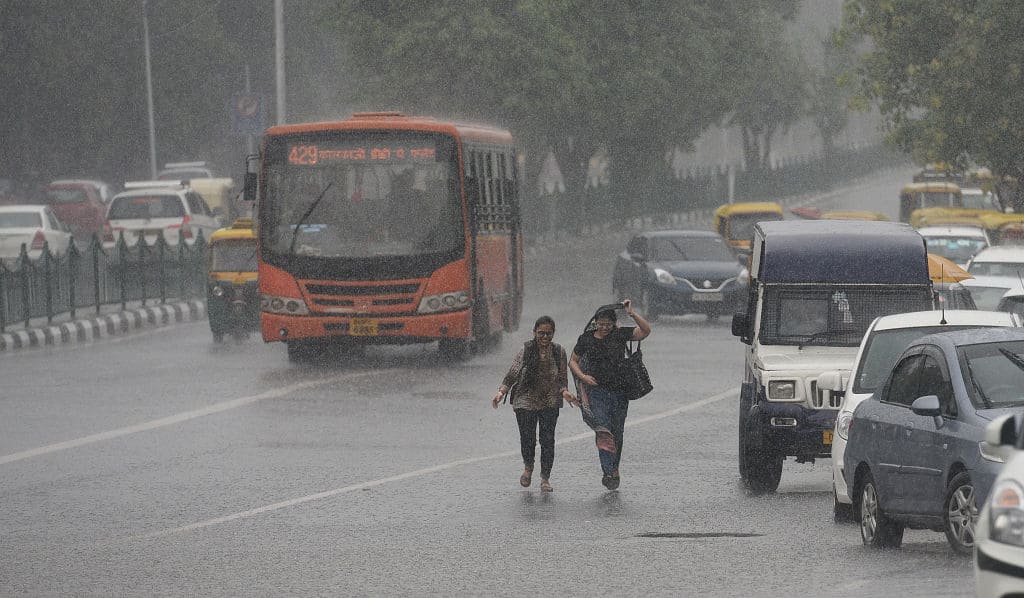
[638, 380]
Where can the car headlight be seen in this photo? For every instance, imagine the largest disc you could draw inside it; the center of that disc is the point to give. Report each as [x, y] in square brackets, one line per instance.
[1006, 513]
[988, 455]
[444, 302]
[663, 276]
[781, 390]
[283, 305]
[843, 424]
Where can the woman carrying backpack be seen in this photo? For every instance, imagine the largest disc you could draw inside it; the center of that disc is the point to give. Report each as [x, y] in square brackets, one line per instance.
[537, 382]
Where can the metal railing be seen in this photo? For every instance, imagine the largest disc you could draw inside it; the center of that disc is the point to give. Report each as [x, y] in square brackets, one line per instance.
[73, 279]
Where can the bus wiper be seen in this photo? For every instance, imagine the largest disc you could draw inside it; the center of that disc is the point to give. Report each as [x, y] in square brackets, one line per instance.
[298, 225]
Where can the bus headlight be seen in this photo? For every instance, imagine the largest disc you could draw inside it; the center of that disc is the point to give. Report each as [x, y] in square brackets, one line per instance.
[1006, 513]
[444, 302]
[290, 306]
[781, 390]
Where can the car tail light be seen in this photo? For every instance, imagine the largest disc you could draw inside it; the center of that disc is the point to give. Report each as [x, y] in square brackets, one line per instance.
[186, 230]
[38, 240]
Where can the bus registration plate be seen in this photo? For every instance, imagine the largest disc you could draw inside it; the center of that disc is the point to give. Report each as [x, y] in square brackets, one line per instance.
[826, 436]
[362, 327]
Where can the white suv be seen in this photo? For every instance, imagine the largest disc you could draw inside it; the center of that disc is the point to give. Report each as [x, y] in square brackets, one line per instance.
[152, 208]
[882, 344]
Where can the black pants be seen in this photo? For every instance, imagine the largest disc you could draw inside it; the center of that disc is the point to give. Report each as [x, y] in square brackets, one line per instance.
[529, 420]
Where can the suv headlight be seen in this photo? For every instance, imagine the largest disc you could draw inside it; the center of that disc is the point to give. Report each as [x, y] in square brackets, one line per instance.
[444, 302]
[663, 276]
[1006, 513]
[781, 390]
[283, 305]
[843, 424]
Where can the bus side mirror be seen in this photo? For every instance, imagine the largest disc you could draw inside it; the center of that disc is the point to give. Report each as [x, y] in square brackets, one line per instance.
[741, 327]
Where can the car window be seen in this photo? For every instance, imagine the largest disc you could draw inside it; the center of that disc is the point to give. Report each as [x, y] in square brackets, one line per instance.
[902, 388]
[956, 249]
[693, 249]
[882, 349]
[204, 208]
[59, 196]
[1014, 305]
[194, 205]
[934, 380]
[987, 298]
[995, 268]
[148, 206]
[994, 373]
[54, 223]
[20, 220]
[233, 256]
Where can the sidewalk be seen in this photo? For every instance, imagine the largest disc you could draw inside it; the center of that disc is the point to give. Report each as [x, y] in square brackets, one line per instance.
[88, 325]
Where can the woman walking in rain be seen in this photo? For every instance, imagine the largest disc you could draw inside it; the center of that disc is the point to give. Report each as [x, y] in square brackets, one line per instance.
[537, 383]
[603, 352]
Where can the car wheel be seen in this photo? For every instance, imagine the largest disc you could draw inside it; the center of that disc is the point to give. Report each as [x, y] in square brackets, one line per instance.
[876, 529]
[960, 513]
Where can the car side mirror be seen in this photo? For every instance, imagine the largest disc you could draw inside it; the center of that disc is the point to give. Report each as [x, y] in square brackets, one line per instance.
[1002, 431]
[927, 406]
[831, 381]
[741, 327]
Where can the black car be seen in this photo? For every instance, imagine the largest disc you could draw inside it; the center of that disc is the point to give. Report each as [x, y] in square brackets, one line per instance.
[680, 272]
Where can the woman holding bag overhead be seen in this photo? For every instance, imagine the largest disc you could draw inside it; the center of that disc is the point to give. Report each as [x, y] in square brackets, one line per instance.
[603, 350]
[537, 383]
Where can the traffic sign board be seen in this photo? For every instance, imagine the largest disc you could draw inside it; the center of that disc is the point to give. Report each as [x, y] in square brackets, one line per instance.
[247, 110]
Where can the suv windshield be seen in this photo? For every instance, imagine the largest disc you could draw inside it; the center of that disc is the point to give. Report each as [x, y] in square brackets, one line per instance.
[831, 316]
[693, 249]
[881, 351]
[956, 249]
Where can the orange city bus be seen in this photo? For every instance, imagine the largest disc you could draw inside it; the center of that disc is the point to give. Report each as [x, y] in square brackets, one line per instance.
[387, 229]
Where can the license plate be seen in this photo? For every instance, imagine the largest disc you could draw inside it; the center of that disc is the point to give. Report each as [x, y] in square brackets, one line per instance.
[707, 297]
[362, 327]
[826, 436]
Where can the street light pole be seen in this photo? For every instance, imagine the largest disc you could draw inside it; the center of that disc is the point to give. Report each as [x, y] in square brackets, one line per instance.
[279, 57]
[149, 93]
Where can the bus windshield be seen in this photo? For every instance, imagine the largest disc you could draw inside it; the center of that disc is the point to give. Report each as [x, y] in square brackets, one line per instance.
[361, 195]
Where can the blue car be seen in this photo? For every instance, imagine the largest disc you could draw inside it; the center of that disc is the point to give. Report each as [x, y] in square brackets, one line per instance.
[914, 457]
[680, 272]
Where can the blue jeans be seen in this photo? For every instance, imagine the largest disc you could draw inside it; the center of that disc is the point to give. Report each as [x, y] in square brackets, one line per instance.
[610, 409]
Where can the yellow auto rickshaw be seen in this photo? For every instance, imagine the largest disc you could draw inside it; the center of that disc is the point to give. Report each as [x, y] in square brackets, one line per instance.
[735, 221]
[232, 292]
[854, 215]
[933, 194]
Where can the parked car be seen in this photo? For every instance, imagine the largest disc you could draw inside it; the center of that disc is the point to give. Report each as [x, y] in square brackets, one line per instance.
[152, 208]
[32, 225]
[79, 203]
[988, 291]
[885, 338]
[914, 456]
[999, 531]
[679, 272]
[1001, 260]
[956, 243]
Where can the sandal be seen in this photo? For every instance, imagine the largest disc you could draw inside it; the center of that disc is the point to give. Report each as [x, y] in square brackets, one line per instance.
[524, 480]
[545, 486]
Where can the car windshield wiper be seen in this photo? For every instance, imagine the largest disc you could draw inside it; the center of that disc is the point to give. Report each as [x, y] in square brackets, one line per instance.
[298, 225]
[819, 335]
[977, 387]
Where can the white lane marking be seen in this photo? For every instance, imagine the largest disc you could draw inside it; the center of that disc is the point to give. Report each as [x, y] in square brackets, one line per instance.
[177, 418]
[284, 504]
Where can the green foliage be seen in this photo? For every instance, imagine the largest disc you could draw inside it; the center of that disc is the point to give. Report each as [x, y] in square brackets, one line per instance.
[947, 75]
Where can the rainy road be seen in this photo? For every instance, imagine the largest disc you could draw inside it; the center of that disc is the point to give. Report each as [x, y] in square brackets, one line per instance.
[160, 464]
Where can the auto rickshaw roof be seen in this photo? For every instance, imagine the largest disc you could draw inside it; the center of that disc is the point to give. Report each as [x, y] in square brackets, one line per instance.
[854, 215]
[239, 230]
[931, 187]
[841, 252]
[748, 207]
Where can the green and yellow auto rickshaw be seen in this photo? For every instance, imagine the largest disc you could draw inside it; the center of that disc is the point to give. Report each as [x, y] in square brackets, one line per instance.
[232, 292]
[735, 221]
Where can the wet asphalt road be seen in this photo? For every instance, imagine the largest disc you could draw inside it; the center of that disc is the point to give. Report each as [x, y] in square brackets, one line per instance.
[162, 464]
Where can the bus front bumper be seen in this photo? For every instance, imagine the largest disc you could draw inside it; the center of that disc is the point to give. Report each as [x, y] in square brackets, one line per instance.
[418, 328]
